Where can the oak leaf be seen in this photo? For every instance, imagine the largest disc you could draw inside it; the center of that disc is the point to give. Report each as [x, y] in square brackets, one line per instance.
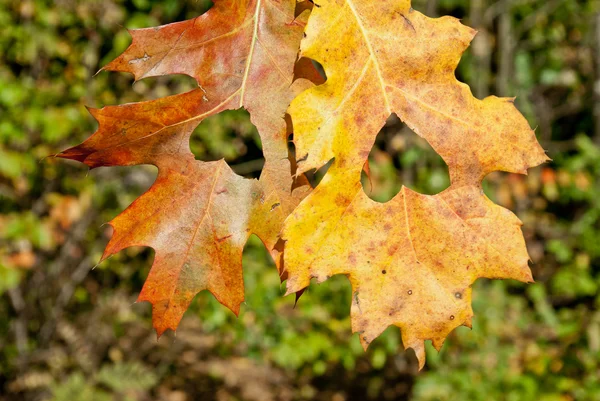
[411, 261]
[198, 215]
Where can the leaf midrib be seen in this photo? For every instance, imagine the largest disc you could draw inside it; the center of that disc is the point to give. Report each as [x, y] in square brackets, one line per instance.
[371, 54]
[251, 54]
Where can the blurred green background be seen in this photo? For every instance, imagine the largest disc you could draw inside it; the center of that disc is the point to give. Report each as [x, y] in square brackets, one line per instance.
[71, 332]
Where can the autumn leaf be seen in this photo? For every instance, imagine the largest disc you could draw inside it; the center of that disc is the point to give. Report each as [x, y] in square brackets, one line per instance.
[198, 215]
[411, 261]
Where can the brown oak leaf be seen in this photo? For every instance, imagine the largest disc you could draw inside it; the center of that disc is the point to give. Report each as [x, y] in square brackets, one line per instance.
[198, 215]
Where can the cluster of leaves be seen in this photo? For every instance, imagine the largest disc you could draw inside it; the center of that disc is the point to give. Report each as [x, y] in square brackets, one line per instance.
[531, 342]
[411, 261]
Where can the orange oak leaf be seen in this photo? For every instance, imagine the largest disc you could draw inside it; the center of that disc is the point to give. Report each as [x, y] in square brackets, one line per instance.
[412, 260]
[198, 215]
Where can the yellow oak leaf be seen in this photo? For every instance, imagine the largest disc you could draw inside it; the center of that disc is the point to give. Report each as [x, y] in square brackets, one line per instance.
[411, 261]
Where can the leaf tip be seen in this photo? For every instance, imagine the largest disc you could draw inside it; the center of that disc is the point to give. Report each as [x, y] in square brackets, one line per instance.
[530, 279]
[298, 295]
[420, 353]
[295, 287]
[364, 341]
[159, 332]
[438, 343]
[289, 291]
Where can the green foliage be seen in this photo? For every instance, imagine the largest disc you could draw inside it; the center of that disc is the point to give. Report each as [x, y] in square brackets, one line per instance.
[121, 381]
[506, 365]
[76, 387]
[124, 377]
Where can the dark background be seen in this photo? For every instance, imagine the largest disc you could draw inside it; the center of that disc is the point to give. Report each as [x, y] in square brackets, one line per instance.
[71, 332]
